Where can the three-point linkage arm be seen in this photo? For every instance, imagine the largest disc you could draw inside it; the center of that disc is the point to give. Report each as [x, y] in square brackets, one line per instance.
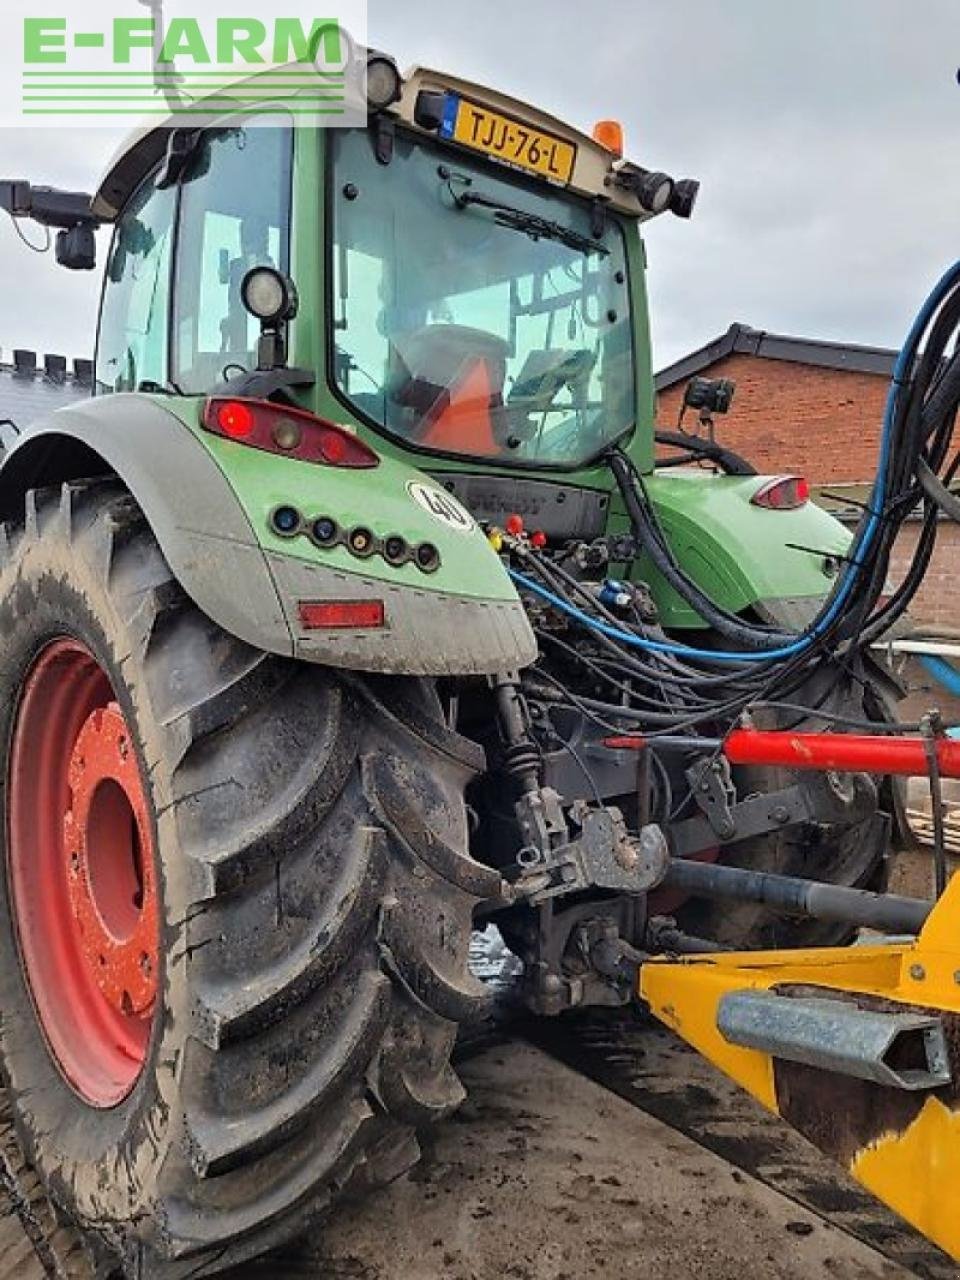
[69, 212]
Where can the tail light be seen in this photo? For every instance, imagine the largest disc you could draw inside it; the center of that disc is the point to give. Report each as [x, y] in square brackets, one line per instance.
[289, 433]
[783, 493]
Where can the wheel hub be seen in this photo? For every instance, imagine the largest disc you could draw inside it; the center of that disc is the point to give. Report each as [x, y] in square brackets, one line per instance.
[111, 888]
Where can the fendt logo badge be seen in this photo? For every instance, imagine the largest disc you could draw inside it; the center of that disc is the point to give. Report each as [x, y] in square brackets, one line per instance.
[442, 506]
[107, 61]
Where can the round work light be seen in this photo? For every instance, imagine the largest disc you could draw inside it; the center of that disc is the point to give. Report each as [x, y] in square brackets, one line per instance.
[269, 295]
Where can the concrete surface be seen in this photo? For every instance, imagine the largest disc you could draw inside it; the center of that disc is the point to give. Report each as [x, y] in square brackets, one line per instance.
[544, 1175]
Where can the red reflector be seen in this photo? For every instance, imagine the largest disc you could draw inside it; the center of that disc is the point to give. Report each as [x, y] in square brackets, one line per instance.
[289, 432]
[783, 493]
[333, 615]
[538, 539]
[235, 419]
[514, 525]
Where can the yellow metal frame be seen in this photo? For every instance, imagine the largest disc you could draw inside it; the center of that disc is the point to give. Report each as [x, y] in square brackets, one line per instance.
[908, 1153]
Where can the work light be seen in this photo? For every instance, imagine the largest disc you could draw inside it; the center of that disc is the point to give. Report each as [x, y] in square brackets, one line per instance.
[269, 295]
[384, 82]
[654, 191]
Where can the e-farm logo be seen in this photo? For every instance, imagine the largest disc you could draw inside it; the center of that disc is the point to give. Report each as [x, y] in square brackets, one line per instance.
[111, 62]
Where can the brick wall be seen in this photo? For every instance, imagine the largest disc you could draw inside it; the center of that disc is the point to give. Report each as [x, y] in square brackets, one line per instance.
[938, 600]
[825, 425]
[822, 423]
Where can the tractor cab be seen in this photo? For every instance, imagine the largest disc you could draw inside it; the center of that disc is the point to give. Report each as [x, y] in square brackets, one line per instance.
[479, 294]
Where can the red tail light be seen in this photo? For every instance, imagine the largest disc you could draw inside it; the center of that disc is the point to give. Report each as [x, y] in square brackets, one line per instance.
[336, 615]
[290, 433]
[783, 493]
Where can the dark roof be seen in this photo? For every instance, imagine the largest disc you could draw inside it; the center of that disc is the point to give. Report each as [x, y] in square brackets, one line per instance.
[742, 340]
[29, 388]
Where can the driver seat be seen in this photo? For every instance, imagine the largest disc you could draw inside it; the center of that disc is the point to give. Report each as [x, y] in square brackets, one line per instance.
[453, 377]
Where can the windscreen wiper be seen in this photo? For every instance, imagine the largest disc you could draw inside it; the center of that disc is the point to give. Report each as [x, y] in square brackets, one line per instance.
[531, 224]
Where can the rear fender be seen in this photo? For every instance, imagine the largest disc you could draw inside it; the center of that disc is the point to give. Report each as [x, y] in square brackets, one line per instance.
[210, 543]
[779, 563]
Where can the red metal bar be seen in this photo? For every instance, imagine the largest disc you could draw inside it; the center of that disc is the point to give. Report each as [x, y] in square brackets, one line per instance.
[844, 752]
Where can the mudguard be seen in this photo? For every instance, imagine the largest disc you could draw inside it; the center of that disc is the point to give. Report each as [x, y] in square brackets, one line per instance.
[208, 538]
[779, 563]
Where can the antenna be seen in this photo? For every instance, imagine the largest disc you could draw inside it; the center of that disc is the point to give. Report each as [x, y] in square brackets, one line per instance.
[165, 78]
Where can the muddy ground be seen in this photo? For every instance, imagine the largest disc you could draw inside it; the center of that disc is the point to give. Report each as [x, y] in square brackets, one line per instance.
[544, 1175]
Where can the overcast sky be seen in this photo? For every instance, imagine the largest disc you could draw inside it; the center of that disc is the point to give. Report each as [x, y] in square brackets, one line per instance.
[826, 135]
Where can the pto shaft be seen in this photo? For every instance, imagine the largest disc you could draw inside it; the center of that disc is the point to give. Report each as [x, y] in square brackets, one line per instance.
[885, 912]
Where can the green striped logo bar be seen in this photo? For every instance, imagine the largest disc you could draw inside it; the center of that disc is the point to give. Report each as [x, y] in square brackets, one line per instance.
[125, 59]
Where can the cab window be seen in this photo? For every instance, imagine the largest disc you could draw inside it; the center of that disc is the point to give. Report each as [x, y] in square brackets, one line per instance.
[132, 345]
[235, 211]
[497, 329]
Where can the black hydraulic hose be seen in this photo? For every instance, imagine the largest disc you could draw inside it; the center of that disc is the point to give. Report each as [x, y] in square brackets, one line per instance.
[706, 450]
[727, 624]
[628, 691]
[949, 503]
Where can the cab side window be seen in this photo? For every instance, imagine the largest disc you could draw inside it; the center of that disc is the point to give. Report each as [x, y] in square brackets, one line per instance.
[133, 339]
[235, 211]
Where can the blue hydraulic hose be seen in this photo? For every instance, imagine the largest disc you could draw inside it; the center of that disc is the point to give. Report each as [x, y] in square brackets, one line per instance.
[901, 372]
[946, 674]
[943, 672]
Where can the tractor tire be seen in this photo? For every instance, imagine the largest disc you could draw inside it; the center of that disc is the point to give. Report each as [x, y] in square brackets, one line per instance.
[235, 910]
[853, 856]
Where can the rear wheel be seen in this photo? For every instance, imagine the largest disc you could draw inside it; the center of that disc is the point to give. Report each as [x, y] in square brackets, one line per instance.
[235, 910]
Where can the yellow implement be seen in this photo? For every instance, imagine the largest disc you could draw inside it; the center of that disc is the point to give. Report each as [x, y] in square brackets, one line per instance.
[858, 1048]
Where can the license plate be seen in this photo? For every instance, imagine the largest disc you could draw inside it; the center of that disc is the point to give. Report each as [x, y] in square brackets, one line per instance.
[507, 140]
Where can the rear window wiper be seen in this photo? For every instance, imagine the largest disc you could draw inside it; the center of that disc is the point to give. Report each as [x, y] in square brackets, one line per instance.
[531, 224]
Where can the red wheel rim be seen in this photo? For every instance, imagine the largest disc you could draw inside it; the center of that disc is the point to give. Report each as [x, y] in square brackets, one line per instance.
[83, 873]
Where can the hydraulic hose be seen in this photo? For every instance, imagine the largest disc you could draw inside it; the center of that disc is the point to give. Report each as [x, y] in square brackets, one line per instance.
[859, 563]
[727, 624]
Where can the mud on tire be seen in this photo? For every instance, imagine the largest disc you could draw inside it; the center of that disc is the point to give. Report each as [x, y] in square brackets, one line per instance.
[317, 897]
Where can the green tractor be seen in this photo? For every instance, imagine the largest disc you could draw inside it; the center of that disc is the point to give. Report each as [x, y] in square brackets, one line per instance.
[353, 613]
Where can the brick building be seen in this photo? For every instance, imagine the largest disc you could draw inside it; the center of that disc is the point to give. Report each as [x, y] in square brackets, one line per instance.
[811, 407]
[814, 408]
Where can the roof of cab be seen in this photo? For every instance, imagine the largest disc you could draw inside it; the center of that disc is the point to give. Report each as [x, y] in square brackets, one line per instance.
[146, 146]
